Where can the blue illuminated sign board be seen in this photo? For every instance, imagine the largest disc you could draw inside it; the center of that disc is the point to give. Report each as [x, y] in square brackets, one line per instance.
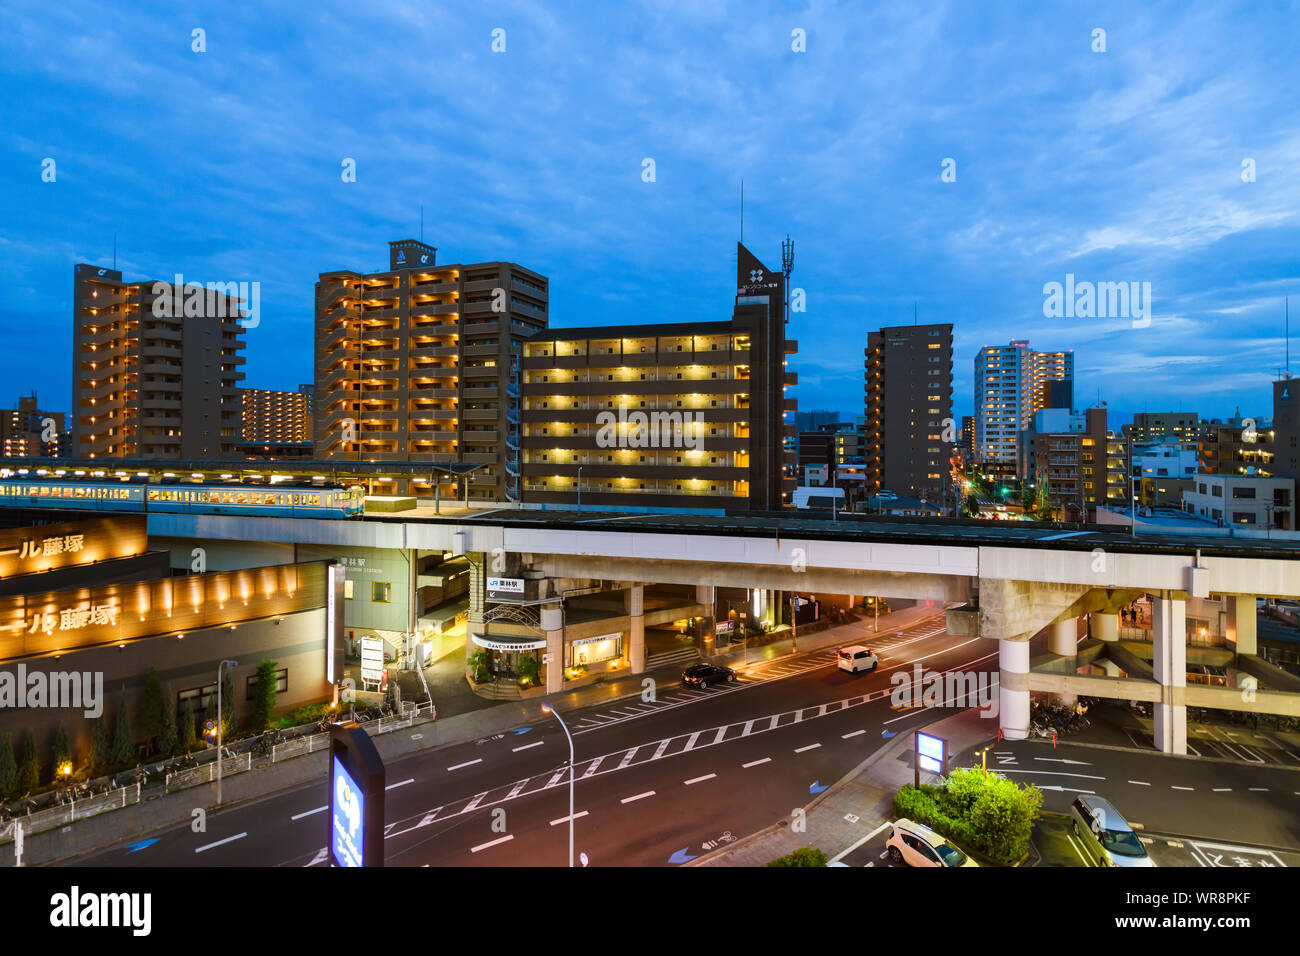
[930, 753]
[347, 816]
[356, 798]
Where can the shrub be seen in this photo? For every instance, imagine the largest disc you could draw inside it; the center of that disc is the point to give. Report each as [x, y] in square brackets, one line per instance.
[264, 692]
[307, 714]
[529, 669]
[807, 856]
[989, 814]
[29, 772]
[167, 738]
[123, 751]
[8, 768]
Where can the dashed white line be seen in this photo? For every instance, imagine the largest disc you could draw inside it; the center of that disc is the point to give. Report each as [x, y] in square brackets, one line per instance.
[800, 750]
[237, 836]
[639, 796]
[565, 819]
[852, 733]
[707, 776]
[1222, 790]
[467, 763]
[1258, 789]
[1182, 788]
[484, 846]
[1139, 783]
[307, 813]
[755, 763]
[535, 743]
[394, 786]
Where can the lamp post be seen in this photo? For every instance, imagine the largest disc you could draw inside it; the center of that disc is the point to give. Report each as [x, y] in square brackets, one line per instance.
[219, 717]
[548, 709]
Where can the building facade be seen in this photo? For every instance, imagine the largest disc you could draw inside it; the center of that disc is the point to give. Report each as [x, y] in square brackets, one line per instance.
[1012, 382]
[1239, 446]
[1150, 427]
[908, 406]
[680, 415]
[1246, 501]
[1286, 428]
[155, 367]
[418, 364]
[1084, 469]
[27, 431]
[275, 417]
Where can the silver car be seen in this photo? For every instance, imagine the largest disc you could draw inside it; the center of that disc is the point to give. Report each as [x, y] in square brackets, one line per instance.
[1106, 836]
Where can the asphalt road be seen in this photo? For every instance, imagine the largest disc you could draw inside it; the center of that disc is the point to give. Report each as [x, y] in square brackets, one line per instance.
[657, 783]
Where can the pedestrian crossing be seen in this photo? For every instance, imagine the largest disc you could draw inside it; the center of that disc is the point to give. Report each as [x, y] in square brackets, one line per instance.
[880, 644]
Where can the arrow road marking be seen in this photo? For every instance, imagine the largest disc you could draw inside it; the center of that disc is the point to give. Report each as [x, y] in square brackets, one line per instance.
[141, 845]
[817, 787]
[680, 856]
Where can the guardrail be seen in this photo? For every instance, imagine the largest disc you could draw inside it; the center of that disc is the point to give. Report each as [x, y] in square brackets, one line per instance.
[71, 811]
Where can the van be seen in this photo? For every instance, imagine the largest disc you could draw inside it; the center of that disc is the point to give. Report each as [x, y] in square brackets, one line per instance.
[1106, 837]
[856, 658]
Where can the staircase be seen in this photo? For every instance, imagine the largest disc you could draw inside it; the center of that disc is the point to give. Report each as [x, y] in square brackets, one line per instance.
[499, 690]
[683, 658]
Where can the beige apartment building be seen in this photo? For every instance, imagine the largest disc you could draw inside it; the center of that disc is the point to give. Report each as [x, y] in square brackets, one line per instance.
[277, 417]
[672, 415]
[150, 378]
[418, 364]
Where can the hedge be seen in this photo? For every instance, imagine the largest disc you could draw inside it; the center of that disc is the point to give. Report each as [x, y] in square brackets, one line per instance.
[808, 856]
[989, 814]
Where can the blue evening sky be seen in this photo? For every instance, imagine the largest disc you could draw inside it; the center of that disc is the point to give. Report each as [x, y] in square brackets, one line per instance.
[1122, 166]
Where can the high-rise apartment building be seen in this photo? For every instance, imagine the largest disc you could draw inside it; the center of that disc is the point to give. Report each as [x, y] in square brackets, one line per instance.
[674, 415]
[1084, 469]
[155, 367]
[418, 363]
[1150, 427]
[1012, 382]
[908, 410]
[27, 431]
[275, 417]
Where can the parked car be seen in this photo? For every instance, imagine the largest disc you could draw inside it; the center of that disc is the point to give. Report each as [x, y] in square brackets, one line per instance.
[918, 845]
[702, 675]
[856, 658]
[1106, 836]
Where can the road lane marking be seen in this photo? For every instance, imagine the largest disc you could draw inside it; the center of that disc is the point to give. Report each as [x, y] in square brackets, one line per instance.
[1259, 789]
[691, 740]
[535, 743]
[707, 776]
[1178, 788]
[1222, 790]
[755, 763]
[491, 843]
[663, 745]
[394, 786]
[1139, 783]
[237, 836]
[565, 819]
[594, 764]
[844, 853]
[307, 813]
[627, 758]
[639, 796]
[467, 763]
[722, 732]
[475, 802]
[800, 750]
[555, 778]
[853, 733]
[517, 787]
[749, 725]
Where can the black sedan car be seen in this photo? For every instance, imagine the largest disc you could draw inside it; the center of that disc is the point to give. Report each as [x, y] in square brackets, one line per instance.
[702, 675]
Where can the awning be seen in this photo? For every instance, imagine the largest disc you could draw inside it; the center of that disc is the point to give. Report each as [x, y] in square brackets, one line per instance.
[508, 642]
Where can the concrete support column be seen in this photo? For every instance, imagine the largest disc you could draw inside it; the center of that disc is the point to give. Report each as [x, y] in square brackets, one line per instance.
[707, 595]
[1169, 634]
[552, 621]
[1013, 689]
[1241, 623]
[636, 627]
[1103, 627]
[1062, 638]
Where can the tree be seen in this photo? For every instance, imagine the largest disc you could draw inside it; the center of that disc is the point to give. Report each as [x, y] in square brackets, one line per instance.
[62, 751]
[264, 694]
[151, 707]
[189, 732]
[123, 750]
[227, 702]
[8, 768]
[167, 721]
[101, 744]
[29, 773]
[972, 505]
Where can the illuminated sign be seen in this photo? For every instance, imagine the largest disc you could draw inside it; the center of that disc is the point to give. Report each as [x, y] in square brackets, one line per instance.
[505, 588]
[347, 806]
[931, 752]
[70, 544]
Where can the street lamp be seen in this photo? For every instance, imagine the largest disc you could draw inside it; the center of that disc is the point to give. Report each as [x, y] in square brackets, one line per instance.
[548, 709]
[219, 667]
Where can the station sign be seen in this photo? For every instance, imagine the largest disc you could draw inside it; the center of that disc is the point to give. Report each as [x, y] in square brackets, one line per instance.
[505, 589]
[372, 660]
[931, 755]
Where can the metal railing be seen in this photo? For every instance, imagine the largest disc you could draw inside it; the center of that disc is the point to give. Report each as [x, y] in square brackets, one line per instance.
[59, 815]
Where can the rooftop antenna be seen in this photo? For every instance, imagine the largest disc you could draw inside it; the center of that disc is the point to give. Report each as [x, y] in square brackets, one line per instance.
[787, 266]
[1287, 300]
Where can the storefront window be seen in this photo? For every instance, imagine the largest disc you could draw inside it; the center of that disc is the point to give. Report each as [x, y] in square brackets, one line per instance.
[593, 650]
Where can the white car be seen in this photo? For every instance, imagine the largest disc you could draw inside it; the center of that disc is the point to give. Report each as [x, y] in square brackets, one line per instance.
[918, 845]
[856, 658]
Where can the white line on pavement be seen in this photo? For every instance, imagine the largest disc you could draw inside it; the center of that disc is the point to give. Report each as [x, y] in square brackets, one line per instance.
[639, 796]
[1222, 790]
[707, 776]
[237, 836]
[755, 763]
[565, 819]
[1139, 783]
[535, 743]
[800, 750]
[853, 733]
[467, 763]
[1182, 788]
[484, 846]
[846, 852]
[394, 786]
[307, 813]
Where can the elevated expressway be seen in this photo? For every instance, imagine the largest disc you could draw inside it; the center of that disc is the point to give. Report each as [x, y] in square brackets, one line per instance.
[1005, 582]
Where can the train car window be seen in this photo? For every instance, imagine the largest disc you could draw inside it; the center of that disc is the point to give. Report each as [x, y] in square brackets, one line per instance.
[153, 494]
[314, 499]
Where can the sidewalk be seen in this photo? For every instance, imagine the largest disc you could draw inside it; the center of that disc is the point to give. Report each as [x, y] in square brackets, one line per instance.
[857, 805]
